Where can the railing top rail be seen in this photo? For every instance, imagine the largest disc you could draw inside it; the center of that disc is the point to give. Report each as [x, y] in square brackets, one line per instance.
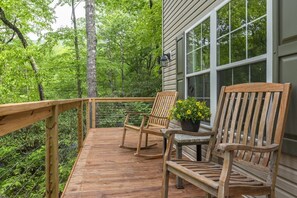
[8, 109]
[124, 99]
[12, 108]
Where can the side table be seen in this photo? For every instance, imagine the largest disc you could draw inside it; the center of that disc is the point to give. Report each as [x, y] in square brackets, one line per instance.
[182, 140]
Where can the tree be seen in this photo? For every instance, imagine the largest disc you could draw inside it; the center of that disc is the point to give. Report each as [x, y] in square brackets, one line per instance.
[91, 45]
[77, 56]
[31, 59]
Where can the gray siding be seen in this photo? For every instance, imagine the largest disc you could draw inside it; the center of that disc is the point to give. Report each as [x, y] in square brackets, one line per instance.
[177, 17]
[180, 15]
[285, 45]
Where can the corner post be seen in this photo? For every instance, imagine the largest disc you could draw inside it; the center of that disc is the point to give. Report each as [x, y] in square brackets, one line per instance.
[52, 161]
[93, 113]
[88, 115]
[80, 125]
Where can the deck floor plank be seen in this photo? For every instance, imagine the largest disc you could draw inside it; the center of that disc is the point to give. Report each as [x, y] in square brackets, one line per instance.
[105, 170]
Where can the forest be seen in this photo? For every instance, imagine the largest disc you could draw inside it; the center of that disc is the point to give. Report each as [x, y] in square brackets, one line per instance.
[54, 66]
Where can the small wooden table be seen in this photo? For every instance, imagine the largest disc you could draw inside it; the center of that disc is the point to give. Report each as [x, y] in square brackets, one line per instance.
[183, 140]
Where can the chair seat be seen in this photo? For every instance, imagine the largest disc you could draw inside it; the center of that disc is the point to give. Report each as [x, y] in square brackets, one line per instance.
[151, 130]
[208, 173]
[137, 128]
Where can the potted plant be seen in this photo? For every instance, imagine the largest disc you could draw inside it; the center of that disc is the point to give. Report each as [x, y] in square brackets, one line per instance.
[190, 112]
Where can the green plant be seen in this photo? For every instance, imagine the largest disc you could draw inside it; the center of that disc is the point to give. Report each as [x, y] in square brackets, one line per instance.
[190, 109]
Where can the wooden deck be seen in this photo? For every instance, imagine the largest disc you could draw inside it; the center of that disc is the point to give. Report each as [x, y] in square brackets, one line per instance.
[105, 170]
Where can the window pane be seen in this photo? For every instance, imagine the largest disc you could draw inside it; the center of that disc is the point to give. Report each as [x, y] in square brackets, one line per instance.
[256, 9]
[190, 63]
[207, 85]
[206, 57]
[257, 38]
[238, 14]
[249, 73]
[199, 87]
[197, 36]
[206, 32]
[224, 78]
[197, 65]
[223, 21]
[238, 40]
[223, 50]
[190, 42]
[258, 72]
[195, 86]
[241, 74]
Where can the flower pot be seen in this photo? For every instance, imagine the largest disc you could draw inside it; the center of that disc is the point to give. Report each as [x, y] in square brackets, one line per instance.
[188, 125]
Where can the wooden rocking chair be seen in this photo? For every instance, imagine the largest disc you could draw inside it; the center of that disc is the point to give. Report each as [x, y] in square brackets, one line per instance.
[156, 120]
[248, 129]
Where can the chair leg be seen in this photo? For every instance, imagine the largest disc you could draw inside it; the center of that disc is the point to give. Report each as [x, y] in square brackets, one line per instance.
[146, 140]
[165, 182]
[139, 143]
[207, 195]
[272, 194]
[123, 138]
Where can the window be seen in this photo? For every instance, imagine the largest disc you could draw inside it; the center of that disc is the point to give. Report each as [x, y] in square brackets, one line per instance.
[228, 46]
[198, 61]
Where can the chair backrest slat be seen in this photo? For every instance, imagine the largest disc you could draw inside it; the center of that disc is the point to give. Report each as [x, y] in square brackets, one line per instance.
[234, 115]
[164, 101]
[251, 114]
[263, 122]
[228, 117]
[222, 119]
[241, 117]
[255, 121]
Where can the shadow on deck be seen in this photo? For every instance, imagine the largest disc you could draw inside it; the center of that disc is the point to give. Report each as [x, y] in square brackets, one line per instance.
[105, 170]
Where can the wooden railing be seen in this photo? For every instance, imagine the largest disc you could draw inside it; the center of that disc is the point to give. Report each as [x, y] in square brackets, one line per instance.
[95, 101]
[17, 116]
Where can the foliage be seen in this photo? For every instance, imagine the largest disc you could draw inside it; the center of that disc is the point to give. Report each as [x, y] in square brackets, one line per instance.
[190, 109]
[113, 114]
[128, 46]
[22, 158]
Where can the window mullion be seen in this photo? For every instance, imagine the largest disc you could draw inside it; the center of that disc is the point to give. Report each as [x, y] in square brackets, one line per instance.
[246, 30]
[213, 64]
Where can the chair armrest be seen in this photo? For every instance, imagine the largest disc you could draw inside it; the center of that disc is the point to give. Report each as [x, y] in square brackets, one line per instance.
[176, 131]
[234, 146]
[161, 117]
[145, 115]
[137, 113]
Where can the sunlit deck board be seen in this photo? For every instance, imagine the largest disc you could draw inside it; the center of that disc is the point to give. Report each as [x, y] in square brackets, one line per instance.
[105, 170]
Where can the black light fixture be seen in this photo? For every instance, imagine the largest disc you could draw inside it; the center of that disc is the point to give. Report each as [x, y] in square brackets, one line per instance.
[165, 60]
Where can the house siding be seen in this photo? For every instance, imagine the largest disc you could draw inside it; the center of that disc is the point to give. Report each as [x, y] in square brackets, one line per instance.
[178, 16]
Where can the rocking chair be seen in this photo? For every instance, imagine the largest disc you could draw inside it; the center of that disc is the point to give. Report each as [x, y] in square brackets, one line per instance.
[156, 120]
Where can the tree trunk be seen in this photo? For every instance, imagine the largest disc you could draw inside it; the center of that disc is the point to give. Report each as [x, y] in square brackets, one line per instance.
[122, 67]
[91, 45]
[25, 45]
[77, 57]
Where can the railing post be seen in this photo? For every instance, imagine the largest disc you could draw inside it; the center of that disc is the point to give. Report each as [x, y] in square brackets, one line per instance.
[93, 113]
[52, 161]
[88, 115]
[80, 125]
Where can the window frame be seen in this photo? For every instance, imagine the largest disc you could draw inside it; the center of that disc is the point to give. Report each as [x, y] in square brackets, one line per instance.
[214, 69]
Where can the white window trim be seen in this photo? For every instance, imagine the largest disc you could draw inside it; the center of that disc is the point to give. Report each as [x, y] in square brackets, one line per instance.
[213, 55]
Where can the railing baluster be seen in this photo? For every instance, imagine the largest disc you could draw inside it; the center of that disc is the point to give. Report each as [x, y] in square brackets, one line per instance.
[88, 115]
[52, 161]
[80, 126]
[93, 113]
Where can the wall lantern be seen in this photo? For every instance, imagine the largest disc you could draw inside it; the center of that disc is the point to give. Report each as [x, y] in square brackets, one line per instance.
[165, 60]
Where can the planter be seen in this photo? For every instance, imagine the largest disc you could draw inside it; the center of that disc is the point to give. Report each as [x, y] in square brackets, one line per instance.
[188, 125]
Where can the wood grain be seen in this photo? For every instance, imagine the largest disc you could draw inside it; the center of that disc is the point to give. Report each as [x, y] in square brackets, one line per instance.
[105, 170]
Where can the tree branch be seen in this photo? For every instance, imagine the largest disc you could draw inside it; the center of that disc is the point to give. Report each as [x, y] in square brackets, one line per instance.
[25, 45]
[13, 27]
[151, 4]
